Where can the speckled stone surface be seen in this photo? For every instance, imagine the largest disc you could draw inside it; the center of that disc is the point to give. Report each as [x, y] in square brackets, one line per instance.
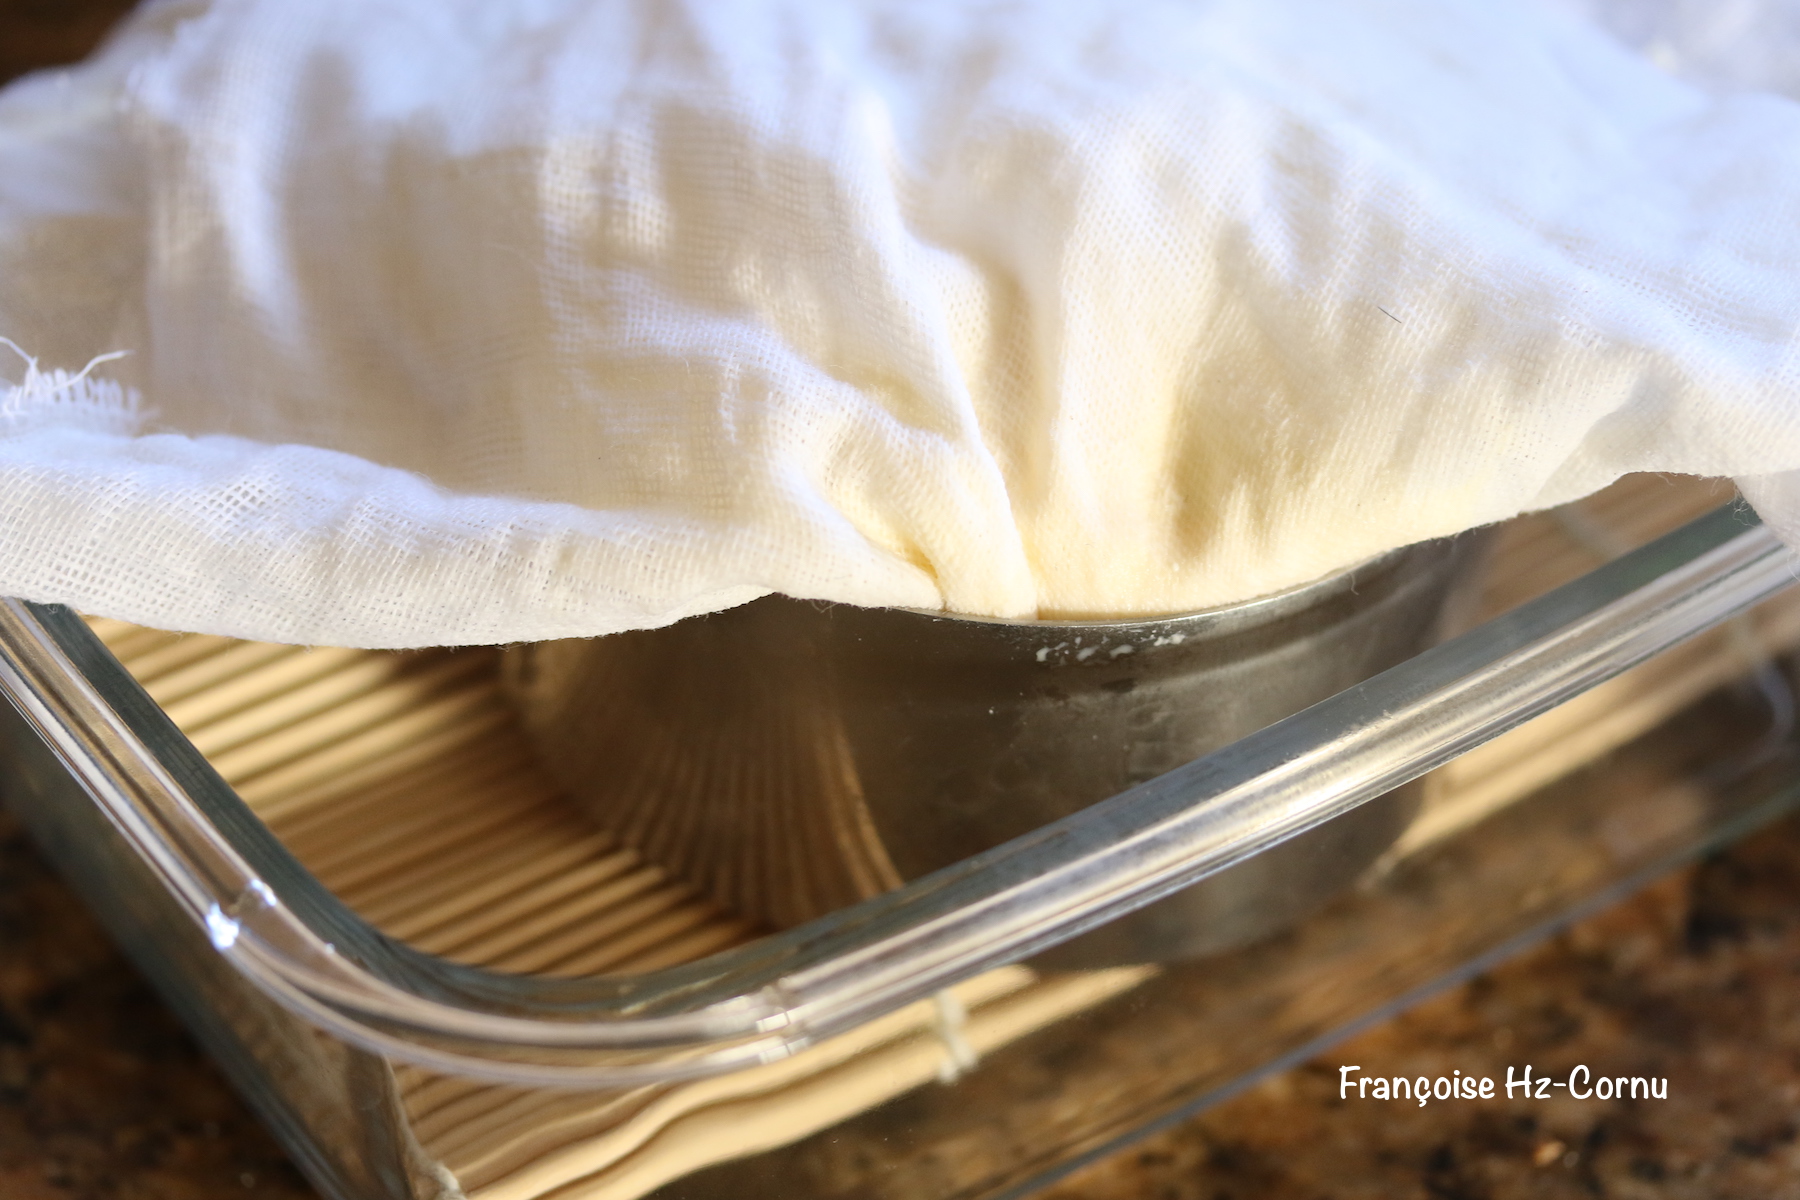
[102, 1095]
[1696, 980]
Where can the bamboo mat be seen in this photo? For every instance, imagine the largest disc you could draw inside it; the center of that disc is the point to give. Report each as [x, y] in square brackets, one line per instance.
[401, 781]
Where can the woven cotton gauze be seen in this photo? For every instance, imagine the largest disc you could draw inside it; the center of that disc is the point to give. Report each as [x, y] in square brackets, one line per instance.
[458, 321]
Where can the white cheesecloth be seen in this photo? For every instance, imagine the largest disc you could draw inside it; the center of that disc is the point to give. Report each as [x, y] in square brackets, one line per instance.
[466, 321]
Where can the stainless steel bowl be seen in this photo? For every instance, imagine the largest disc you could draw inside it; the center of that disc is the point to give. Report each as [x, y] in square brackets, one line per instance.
[791, 757]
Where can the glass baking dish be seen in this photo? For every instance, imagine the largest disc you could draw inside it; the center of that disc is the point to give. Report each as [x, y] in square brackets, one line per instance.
[328, 882]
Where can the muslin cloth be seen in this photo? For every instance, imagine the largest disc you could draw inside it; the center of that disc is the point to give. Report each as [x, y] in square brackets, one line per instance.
[466, 321]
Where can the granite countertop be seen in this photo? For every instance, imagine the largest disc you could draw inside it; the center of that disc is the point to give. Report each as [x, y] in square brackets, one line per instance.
[1696, 979]
[102, 1094]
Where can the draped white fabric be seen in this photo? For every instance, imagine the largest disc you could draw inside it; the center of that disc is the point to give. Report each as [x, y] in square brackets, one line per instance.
[461, 321]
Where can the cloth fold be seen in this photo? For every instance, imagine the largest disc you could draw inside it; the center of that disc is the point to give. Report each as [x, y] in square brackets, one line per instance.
[454, 321]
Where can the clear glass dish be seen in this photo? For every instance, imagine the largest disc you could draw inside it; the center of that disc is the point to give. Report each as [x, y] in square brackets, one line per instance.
[136, 812]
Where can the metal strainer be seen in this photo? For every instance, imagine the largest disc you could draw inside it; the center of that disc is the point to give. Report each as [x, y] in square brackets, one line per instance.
[790, 757]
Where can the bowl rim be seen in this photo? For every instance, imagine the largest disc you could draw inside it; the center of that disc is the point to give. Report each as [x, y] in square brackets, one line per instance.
[1295, 593]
